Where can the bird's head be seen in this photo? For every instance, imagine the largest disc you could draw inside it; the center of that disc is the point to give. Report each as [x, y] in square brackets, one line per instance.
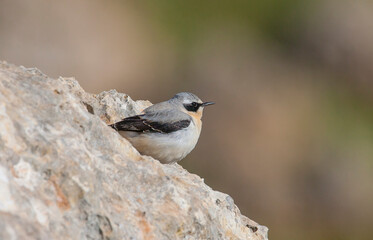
[191, 104]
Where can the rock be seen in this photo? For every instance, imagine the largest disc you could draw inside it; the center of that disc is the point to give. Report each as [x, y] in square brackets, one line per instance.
[64, 174]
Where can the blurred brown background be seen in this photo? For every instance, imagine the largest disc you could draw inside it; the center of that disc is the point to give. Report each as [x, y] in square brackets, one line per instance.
[291, 135]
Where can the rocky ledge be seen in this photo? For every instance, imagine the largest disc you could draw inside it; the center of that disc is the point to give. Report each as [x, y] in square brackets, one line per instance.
[65, 175]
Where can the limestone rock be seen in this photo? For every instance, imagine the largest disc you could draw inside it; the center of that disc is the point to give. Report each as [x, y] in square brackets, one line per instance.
[65, 175]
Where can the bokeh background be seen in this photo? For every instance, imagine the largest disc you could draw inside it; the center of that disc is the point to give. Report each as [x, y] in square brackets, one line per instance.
[291, 135]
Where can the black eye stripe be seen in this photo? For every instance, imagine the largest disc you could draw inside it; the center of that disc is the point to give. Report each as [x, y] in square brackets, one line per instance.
[192, 107]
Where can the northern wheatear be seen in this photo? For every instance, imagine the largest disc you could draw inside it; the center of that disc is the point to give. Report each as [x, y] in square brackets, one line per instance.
[167, 131]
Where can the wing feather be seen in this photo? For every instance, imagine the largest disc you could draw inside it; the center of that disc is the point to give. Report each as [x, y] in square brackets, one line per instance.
[144, 123]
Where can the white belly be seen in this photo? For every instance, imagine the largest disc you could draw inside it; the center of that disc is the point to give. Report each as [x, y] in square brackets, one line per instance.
[166, 147]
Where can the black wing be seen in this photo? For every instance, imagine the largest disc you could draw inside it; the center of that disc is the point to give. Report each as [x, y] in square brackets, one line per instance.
[140, 124]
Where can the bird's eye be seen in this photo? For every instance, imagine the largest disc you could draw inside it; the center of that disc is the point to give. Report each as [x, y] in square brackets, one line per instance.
[192, 107]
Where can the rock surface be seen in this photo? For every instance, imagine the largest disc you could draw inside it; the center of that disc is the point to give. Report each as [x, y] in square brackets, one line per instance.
[65, 175]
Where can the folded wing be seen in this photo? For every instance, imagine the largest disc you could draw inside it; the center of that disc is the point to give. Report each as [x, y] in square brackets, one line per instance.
[159, 122]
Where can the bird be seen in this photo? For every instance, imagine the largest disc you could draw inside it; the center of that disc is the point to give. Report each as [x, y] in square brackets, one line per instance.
[167, 131]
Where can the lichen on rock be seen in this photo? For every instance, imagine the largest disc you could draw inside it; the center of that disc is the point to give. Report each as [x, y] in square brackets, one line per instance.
[65, 175]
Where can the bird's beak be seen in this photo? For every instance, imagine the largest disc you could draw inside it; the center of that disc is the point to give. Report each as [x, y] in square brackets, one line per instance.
[207, 103]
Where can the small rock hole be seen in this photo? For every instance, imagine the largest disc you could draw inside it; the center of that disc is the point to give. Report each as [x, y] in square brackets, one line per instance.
[253, 228]
[89, 108]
